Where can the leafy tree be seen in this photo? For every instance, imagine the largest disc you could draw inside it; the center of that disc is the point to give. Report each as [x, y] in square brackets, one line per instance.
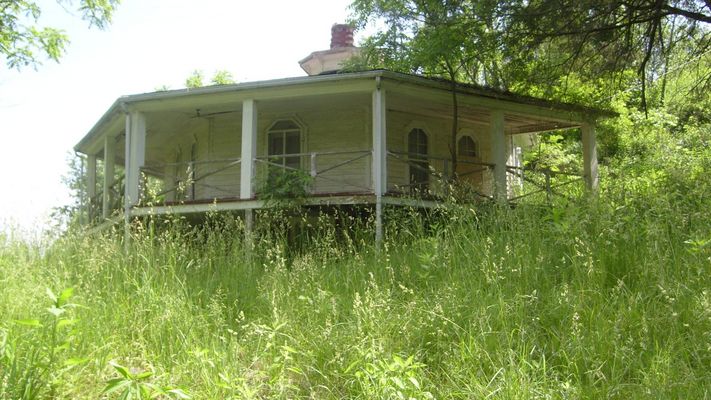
[23, 41]
[616, 35]
[526, 45]
[195, 80]
[223, 77]
[433, 39]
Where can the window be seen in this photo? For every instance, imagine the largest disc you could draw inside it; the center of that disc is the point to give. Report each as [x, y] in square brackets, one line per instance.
[285, 138]
[417, 153]
[466, 147]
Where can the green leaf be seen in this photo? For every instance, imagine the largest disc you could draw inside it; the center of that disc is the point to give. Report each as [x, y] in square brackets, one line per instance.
[289, 349]
[62, 346]
[398, 382]
[51, 295]
[114, 385]
[414, 382]
[145, 393]
[178, 393]
[75, 361]
[65, 295]
[35, 323]
[143, 375]
[351, 366]
[121, 370]
[66, 322]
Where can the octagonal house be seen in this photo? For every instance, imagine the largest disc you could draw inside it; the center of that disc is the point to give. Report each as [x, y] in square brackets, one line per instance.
[358, 138]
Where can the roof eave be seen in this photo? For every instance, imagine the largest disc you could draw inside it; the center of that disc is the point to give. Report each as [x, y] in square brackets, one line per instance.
[122, 103]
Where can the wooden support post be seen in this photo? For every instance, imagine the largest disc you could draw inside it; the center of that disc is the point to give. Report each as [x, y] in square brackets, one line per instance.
[379, 159]
[82, 193]
[249, 148]
[590, 168]
[134, 159]
[498, 152]
[109, 167]
[91, 185]
[249, 152]
[191, 179]
[314, 171]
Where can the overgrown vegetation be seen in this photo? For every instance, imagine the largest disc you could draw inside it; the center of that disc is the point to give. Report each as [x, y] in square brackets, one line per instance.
[601, 296]
[598, 297]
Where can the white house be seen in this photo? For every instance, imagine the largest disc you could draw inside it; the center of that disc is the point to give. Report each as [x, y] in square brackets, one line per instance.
[373, 138]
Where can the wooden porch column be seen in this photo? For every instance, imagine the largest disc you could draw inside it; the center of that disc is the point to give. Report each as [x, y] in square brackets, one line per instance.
[249, 149]
[135, 158]
[249, 152]
[379, 168]
[91, 185]
[498, 153]
[109, 163]
[590, 168]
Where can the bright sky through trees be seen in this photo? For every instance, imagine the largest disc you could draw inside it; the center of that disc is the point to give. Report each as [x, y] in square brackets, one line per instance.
[151, 43]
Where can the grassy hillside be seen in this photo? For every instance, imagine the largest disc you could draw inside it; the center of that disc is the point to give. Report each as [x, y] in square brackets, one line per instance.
[579, 300]
[606, 297]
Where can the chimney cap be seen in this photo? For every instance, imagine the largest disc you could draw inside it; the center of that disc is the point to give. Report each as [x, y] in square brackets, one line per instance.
[333, 59]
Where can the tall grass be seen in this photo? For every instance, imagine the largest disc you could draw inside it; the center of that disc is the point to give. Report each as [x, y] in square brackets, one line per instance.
[575, 300]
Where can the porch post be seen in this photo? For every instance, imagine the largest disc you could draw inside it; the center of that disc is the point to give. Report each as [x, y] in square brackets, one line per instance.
[590, 168]
[249, 152]
[109, 163]
[249, 148]
[380, 175]
[498, 152]
[135, 158]
[91, 185]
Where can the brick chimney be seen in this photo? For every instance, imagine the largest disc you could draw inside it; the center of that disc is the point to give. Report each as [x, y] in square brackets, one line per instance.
[331, 61]
[341, 36]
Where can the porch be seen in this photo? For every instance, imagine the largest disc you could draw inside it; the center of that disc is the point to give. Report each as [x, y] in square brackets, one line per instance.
[363, 138]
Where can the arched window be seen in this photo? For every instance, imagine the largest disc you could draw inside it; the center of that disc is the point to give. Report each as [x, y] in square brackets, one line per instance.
[284, 138]
[466, 147]
[417, 153]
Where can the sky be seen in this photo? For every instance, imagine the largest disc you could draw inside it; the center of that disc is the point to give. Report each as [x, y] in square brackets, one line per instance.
[151, 43]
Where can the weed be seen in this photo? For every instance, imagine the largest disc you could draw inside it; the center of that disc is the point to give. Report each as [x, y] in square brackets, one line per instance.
[129, 386]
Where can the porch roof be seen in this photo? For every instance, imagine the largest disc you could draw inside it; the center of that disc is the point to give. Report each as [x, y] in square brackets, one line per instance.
[112, 119]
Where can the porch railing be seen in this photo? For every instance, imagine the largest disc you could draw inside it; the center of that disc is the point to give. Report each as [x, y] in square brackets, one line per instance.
[191, 180]
[431, 176]
[544, 183]
[335, 172]
[330, 172]
[342, 172]
[95, 204]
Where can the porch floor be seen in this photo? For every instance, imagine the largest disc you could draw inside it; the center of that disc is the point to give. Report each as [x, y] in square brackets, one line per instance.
[232, 204]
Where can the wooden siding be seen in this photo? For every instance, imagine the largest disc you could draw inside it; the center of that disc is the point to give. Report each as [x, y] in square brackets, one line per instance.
[325, 131]
[339, 129]
[439, 138]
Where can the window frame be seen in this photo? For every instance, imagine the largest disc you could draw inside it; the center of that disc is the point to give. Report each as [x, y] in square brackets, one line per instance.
[420, 159]
[477, 149]
[299, 127]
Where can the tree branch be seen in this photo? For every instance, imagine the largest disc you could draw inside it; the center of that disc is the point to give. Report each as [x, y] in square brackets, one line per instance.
[688, 14]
